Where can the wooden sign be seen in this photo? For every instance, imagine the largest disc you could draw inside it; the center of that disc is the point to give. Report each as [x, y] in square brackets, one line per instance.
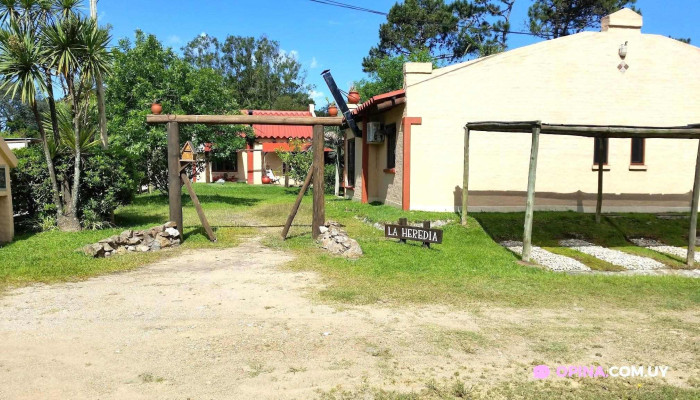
[187, 153]
[404, 232]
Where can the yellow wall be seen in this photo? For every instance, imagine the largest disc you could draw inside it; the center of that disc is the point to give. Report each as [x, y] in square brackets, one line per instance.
[7, 227]
[571, 80]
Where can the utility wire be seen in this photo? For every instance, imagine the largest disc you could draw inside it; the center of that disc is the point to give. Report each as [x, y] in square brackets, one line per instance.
[349, 6]
[367, 10]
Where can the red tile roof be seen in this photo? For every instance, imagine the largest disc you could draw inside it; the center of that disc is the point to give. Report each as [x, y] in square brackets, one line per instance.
[272, 147]
[282, 131]
[378, 99]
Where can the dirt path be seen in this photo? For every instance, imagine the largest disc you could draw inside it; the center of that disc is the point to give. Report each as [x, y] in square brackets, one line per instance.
[232, 324]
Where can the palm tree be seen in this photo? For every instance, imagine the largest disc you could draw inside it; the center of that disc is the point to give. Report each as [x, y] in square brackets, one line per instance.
[21, 59]
[43, 41]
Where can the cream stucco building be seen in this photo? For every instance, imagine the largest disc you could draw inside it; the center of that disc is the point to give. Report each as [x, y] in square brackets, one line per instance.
[578, 79]
[7, 161]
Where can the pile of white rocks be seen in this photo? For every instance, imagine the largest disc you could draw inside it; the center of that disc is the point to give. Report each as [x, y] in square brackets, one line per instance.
[336, 241]
[662, 248]
[555, 262]
[154, 239]
[616, 257]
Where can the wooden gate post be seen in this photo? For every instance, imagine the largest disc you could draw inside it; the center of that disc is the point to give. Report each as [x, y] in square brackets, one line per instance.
[465, 177]
[319, 206]
[599, 200]
[692, 233]
[174, 188]
[529, 206]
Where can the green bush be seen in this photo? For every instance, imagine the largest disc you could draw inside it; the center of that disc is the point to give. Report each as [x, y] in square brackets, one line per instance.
[109, 179]
[329, 178]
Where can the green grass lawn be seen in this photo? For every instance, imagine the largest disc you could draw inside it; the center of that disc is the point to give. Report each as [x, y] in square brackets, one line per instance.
[614, 232]
[469, 267]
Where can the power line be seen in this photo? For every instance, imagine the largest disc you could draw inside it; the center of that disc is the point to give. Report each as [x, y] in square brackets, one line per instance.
[349, 6]
[367, 10]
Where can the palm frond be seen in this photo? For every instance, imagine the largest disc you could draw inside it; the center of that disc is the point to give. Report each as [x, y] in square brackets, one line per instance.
[66, 131]
[21, 58]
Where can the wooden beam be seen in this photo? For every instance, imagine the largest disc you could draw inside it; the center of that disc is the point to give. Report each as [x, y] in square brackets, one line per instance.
[244, 120]
[319, 206]
[198, 206]
[297, 203]
[465, 177]
[692, 233]
[599, 200]
[677, 132]
[174, 188]
[529, 206]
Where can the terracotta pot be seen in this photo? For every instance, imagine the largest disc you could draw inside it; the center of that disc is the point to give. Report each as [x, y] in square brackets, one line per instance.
[156, 108]
[266, 180]
[333, 111]
[353, 97]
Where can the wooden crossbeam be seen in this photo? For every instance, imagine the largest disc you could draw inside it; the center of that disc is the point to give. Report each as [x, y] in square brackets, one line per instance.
[244, 120]
[606, 131]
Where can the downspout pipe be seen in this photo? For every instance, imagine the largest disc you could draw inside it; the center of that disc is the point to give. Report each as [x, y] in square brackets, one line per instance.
[340, 101]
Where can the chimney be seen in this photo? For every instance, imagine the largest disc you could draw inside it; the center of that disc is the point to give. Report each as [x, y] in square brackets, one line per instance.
[624, 19]
[312, 109]
[414, 72]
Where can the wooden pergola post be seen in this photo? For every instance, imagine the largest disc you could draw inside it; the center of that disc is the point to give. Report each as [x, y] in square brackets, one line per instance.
[599, 200]
[530, 204]
[174, 188]
[692, 233]
[319, 207]
[465, 177]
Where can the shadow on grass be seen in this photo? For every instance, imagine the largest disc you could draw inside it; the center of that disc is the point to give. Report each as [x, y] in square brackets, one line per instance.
[217, 198]
[129, 219]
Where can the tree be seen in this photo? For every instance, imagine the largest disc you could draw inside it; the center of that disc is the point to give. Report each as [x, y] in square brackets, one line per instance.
[449, 32]
[42, 42]
[257, 71]
[551, 19]
[682, 40]
[100, 89]
[16, 117]
[388, 74]
[146, 71]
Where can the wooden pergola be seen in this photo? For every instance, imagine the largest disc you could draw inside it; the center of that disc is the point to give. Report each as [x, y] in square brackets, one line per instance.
[316, 171]
[600, 132]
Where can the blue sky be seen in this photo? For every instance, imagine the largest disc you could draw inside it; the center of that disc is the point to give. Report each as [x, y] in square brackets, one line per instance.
[323, 36]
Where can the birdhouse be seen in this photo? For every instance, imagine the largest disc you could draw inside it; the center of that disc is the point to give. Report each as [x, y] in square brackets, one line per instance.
[187, 154]
[7, 223]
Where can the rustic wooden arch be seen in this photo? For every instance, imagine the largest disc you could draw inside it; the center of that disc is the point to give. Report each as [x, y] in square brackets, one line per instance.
[535, 128]
[173, 122]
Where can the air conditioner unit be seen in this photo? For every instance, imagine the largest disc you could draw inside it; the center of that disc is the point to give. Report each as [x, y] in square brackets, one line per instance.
[375, 134]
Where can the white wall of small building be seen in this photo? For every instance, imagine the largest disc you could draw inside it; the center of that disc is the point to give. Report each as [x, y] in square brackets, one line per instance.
[571, 80]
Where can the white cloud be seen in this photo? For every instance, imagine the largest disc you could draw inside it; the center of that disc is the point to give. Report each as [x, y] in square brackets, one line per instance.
[314, 63]
[317, 95]
[174, 40]
[291, 54]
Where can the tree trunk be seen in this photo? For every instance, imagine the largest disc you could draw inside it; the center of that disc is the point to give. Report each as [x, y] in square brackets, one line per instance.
[101, 110]
[70, 221]
[49, 163]
[52, 108]
[336, 188]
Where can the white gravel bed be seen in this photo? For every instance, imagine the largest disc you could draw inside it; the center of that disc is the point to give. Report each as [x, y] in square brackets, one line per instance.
[615, 257]
[555, 262]
[662, 248]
